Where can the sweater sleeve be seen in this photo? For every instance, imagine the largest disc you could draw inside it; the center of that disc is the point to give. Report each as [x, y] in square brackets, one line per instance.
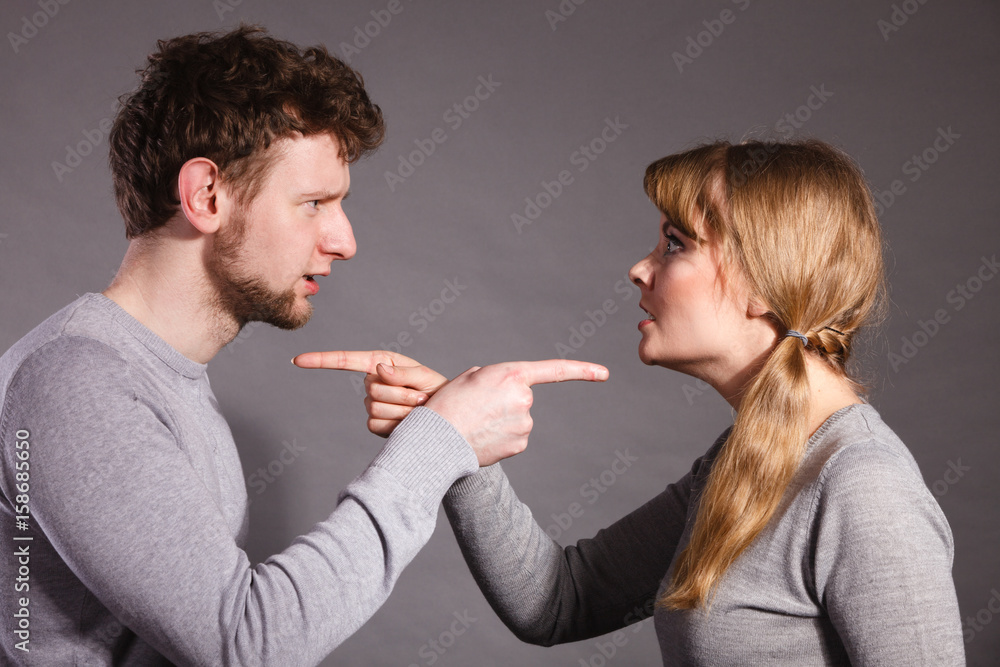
[882, 561]
[547, 594]
[122, 505]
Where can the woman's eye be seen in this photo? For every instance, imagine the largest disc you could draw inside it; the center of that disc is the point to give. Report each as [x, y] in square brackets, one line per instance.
[673, 245]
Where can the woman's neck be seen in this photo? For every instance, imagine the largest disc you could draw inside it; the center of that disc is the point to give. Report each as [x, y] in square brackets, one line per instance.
[829, 391]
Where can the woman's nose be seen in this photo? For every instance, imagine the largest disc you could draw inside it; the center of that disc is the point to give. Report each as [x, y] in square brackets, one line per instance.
[640, 273]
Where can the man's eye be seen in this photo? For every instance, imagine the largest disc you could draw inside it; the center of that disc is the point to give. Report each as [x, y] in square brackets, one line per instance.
[314, 203]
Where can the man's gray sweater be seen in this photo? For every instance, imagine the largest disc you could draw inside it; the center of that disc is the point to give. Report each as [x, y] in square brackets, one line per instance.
[124, 512]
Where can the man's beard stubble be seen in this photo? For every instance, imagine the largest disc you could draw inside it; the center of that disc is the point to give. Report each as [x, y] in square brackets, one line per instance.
[247, 298]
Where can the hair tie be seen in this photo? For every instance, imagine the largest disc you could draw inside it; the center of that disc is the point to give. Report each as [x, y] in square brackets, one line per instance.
[796, 334]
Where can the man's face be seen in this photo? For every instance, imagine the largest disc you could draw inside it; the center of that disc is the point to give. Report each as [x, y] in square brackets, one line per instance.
[267, 255]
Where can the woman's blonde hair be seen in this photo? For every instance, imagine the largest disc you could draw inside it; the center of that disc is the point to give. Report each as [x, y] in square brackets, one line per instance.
[798, 220]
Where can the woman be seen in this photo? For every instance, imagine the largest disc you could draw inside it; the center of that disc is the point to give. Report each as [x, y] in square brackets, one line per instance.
[805, 535]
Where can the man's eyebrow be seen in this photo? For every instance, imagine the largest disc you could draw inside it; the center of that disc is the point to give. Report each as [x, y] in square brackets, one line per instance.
[325, 195]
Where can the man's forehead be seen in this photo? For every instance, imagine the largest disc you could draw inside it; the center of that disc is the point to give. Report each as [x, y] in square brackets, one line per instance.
[313, 161]
[324, 146]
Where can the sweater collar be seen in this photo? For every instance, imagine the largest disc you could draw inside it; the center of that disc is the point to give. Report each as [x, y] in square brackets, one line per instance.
[152, 342]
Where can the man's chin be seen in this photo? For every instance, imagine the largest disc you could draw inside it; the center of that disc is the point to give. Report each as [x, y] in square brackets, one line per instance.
[290, 321]
[253, 300]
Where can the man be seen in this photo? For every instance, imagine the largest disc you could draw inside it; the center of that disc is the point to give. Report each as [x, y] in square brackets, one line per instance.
[123, 499]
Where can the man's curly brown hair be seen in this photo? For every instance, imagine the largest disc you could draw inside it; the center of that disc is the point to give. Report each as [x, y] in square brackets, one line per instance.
[228, 97]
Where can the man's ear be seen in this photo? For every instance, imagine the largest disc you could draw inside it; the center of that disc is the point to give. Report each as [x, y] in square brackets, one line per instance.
[202, 199]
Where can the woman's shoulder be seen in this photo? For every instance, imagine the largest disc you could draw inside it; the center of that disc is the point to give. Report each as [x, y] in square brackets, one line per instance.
[856, 463]
[866, 495]
[856, 439]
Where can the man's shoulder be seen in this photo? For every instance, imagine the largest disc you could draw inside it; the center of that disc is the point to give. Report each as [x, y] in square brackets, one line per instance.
[70, 343]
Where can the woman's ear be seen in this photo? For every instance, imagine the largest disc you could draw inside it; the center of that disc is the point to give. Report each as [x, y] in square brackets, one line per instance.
[756, 308]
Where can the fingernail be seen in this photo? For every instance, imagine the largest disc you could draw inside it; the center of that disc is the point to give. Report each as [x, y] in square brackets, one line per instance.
[603, 374]
[387, 368]
[421, 400]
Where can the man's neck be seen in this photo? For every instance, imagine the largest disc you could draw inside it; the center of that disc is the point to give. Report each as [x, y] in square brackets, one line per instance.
[164, 286]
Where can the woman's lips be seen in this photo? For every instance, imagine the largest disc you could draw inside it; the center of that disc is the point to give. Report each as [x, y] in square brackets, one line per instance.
[647, 321]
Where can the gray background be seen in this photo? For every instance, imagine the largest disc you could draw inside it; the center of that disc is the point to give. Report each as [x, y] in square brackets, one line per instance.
[61, 235]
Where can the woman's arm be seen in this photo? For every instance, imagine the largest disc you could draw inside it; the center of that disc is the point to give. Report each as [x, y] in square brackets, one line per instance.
[882, 561]
[547, 594]
[544, 593]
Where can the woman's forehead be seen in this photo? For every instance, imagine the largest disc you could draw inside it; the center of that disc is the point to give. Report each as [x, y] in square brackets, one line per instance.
[694, 225]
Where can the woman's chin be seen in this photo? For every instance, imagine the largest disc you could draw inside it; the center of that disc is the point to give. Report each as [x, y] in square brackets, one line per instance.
[652, 359]
[646, 357]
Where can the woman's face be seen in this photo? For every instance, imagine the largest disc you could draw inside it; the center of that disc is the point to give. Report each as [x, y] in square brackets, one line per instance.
[700, 322]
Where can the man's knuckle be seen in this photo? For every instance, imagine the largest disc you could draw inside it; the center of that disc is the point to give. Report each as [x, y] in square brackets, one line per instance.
[513, 374]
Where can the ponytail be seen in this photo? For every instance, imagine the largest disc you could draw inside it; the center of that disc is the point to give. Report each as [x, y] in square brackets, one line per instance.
[749, 476]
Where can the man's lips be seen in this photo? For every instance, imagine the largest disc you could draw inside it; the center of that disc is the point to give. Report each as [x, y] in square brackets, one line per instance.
[311, 286]
[310, 279]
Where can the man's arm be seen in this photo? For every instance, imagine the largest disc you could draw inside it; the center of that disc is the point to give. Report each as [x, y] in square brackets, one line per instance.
[544, 593]
[134, 521]
[132, 518]
[488, 405]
